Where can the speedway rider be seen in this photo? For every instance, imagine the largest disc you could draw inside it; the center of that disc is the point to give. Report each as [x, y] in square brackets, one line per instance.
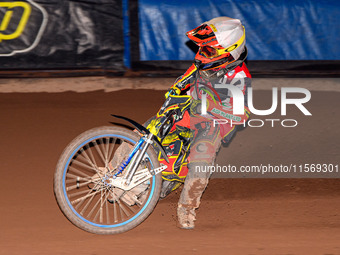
[218, 62]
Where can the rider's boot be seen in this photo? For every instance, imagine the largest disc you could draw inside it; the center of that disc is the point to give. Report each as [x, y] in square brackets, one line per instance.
[190, 198]
[186, 217]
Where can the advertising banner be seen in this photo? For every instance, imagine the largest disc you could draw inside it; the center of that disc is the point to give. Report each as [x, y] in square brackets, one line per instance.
[61, 34]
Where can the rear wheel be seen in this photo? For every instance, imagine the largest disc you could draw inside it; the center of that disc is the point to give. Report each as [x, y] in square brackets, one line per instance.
[84, 193]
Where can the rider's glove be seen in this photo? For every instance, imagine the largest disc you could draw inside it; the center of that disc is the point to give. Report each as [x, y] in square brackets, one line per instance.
[172, 91]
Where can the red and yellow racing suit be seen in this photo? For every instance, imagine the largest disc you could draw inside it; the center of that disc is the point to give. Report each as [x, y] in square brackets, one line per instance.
[206, 135]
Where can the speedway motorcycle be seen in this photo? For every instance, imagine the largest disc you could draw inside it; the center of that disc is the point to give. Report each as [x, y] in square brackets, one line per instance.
[109, 179]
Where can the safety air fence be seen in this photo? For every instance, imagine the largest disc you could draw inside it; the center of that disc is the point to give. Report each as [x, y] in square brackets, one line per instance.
[121, 35]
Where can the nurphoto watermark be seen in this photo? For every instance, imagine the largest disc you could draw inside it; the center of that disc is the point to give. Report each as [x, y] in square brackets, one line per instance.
[307, 170]
[238, 107]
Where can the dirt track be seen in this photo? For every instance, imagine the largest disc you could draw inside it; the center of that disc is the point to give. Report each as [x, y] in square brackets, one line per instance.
[237, 216]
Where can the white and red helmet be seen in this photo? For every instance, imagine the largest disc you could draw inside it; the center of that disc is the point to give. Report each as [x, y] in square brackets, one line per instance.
[221, 41]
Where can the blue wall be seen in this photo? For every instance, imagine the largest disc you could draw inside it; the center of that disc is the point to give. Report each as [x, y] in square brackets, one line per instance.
[275, 30]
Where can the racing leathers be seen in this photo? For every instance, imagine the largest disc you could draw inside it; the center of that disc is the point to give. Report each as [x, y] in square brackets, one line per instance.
[211, 121]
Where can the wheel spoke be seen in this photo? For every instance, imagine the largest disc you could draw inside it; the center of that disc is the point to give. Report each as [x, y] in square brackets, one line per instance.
[120, 211]
[84, 197]
[115, 212]
[100, 153]
[107, 212]
[129, 207]
[71, 178]
[94, 207]
[102, 201]
[127, 213]
[104, 148]
[77, 162]
[74, 170]
[87, 204]
[110, 149]
[86, 157]
[77, 186]
[90, 154]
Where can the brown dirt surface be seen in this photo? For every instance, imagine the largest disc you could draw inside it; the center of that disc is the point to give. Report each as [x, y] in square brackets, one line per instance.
[237, 216]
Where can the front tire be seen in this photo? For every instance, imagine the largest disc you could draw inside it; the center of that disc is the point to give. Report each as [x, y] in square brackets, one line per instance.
[83, 194]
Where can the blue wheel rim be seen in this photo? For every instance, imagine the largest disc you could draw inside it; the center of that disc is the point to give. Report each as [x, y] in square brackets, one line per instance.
[81, 217]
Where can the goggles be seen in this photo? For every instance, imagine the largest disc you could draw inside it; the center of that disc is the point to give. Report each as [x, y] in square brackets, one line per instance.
[211, 52]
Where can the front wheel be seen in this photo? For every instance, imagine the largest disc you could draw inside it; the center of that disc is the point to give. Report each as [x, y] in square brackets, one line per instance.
[83, 193]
